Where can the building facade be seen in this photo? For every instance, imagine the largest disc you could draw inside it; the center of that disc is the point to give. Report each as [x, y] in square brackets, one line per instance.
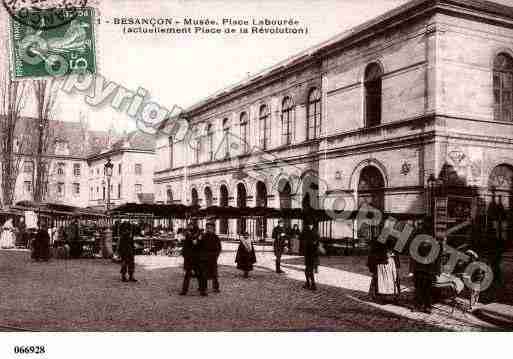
[133, 157]
[367, 117]
[74, 165]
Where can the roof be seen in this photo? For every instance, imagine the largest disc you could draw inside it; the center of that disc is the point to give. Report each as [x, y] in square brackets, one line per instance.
[79, 141]
[136, 140]
[347, 37]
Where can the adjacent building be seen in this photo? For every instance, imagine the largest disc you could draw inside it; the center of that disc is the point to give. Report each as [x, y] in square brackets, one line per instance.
[74, 162]
[133, 157]
[366, 117]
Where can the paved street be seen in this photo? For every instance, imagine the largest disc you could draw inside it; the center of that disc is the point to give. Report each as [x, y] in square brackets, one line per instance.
[87, 295]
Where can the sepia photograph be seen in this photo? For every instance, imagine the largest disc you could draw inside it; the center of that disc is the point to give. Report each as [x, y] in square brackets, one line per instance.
[254, 167]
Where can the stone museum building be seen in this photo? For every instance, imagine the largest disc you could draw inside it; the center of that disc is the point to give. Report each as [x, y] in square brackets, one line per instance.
[368, 116]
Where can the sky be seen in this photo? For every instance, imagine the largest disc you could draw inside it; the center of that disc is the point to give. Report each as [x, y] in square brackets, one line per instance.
[178, 69]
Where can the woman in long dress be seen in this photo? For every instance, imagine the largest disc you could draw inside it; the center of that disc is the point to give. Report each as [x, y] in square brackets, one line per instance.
[8, 238]
[245, 257]
[384, 267]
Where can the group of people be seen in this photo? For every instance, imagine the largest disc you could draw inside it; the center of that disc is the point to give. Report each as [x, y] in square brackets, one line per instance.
[17, 236]
[201, 250]
[309, 242]
[200, 254]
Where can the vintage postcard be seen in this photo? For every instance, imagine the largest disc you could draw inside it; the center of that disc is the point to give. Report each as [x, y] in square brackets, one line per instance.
[254, 167]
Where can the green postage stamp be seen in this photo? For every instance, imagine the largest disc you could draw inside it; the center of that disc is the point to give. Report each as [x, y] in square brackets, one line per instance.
[38, 51]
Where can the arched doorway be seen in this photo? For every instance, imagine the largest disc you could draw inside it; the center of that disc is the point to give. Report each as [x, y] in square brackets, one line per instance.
[223, 202]
[241, 203]
[208, 197]
[194, 197]
[285, 192]
[169, 195]
[310, 190]
[499, 212]
[261, 201]
[371, 192]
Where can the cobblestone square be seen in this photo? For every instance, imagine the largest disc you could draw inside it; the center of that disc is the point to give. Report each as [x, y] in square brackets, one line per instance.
[87, 295]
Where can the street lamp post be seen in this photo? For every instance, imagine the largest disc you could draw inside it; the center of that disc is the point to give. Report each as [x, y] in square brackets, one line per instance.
[108, 174]
[107, 242]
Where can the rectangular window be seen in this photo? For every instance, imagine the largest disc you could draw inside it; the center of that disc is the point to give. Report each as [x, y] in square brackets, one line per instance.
[138, 169]
[171, 152]
[138, 188]
[76, 189]
[197, 151]
[60, 189]
[119, 169]
[91, 193]
[76, 169]
[244, 137]
[27, 186]
[28, 166]
[119, 190]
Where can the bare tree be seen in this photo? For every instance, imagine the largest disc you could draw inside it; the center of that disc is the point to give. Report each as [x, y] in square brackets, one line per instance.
[45, 92]
[13, 96]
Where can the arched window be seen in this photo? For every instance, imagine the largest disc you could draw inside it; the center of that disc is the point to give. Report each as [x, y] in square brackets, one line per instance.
[373, 88]
[244, 139]
[503, 88]
[287, 121]
[313, 126]
[210, 142]
[264, 127]
[226, 137]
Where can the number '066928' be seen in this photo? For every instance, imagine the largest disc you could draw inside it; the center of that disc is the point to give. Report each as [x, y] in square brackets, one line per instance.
[29, 349]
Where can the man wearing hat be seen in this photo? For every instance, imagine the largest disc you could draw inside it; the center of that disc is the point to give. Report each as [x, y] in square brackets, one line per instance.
[191, 260]
[126, 251]
[280, 238]
[210, 249]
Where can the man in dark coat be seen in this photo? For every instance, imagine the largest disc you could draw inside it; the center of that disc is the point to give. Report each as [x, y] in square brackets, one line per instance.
[425, 276]
[210, 249]
[310, 240]
[191, 263]
[126, 251]
[42, 243]
[279, 236]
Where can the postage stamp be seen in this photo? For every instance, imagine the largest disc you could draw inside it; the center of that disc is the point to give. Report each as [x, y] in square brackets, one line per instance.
[44, 14]
[38, 51]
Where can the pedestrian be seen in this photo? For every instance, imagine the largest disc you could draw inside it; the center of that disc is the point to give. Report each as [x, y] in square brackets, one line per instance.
[42, 242]
[383, 265]
[7, 238]
[295, 247]
[73, 238]
[310, 239]
[424, 277]
[21, 236]
[191, 263]
[245, 257]
[211, 247]
[279, 236]
[126, 251]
